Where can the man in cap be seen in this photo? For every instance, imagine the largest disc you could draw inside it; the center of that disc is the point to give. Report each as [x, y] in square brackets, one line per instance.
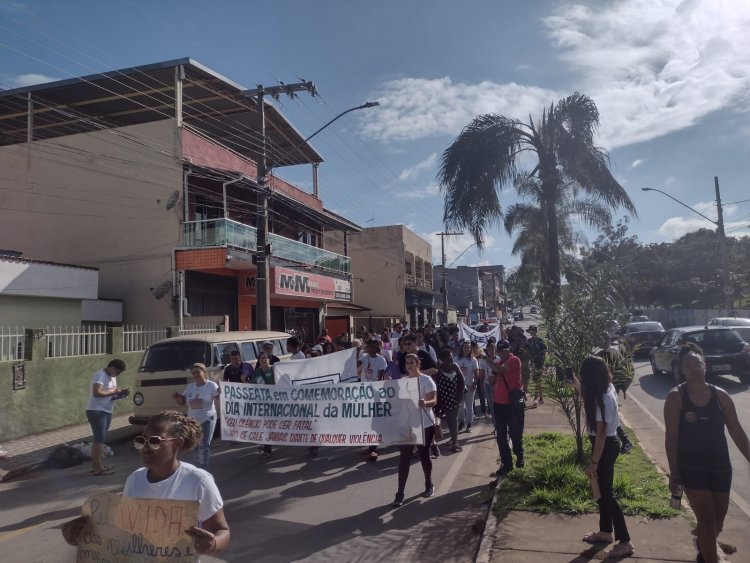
[267, 347]
[508, 405]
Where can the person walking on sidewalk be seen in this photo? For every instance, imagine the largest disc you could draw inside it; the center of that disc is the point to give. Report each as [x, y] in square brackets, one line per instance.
[450, 393]
[470, 370]
[164, 476]
[695, 414]
[537, 352]
[200, 397]
[622, 376]
[602, 418]
[508, 404]
[427, 400]
[104, 392]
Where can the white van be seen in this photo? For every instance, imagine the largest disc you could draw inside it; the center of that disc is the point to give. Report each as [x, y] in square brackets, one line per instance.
[165, 367]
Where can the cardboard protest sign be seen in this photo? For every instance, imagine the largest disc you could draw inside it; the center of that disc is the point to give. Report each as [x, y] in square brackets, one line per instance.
[348, 414]
[133, 530]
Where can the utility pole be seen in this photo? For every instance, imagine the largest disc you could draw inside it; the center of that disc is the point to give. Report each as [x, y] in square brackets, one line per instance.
[724, 252]
[263, 248]
[444, 285]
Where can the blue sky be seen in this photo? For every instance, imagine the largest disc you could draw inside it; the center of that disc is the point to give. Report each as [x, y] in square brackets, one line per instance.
[671, 80]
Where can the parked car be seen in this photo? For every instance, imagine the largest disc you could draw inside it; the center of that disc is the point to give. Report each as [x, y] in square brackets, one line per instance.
[726, 352]
[644, 335]
[638, 319]
[728, 321]
[533, 311]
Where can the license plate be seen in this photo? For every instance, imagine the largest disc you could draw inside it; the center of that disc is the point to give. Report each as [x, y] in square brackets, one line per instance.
[721, 367]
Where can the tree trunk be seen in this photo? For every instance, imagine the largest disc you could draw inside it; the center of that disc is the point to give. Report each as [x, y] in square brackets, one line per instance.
[552, 281]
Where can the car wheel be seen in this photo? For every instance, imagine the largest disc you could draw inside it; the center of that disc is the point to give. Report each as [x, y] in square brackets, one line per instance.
[654, 369]
[677, 375]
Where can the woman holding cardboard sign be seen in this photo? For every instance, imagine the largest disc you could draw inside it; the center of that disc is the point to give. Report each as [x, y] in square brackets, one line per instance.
[164, 476]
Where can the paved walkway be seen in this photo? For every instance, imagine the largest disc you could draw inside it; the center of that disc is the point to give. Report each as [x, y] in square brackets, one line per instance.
[29, 452]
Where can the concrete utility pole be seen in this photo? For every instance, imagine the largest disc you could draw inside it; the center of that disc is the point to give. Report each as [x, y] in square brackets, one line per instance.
[724, 251]
[444, 285]
[263, 248]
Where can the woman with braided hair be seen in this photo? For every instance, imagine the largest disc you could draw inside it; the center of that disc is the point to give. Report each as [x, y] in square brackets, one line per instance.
[164, 476]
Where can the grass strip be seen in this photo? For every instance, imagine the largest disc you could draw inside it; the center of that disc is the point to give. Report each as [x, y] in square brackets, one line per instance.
[553, 482]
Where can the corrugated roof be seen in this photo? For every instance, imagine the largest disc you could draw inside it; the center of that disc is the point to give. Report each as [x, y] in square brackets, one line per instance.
[212, 104]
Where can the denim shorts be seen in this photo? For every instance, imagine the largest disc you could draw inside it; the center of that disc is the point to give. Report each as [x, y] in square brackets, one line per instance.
[99, 421]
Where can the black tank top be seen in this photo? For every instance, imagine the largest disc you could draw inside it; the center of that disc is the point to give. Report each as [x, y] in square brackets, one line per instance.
[701, 442]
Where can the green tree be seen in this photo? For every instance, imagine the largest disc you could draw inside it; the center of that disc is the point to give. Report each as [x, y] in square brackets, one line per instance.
[486, 156]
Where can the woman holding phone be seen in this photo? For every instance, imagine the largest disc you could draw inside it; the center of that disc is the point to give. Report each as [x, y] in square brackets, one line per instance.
[602, 418]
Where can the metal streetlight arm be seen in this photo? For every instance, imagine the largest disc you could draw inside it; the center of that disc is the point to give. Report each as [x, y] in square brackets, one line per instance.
[363, 106]
[683, 204]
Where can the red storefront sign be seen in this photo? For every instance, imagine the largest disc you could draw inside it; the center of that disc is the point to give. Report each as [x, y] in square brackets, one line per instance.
[299, 284]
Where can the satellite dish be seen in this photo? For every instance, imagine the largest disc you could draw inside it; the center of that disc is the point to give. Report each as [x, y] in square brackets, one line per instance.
[174, 197]
[162, 289]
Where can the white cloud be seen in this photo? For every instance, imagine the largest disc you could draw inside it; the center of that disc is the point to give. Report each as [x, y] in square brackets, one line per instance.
[652, 66]
[675, 227]
[413, 108]
[30, 79]
[455, 246]
[422, 193]
[414, 171]
[636, 163]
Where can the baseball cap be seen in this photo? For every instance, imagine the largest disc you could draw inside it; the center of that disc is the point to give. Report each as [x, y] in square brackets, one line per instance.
[318, 348]
[266, 343]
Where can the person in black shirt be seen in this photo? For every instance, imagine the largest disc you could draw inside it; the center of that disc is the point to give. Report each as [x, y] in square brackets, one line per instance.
[426, 365]
[237, 371]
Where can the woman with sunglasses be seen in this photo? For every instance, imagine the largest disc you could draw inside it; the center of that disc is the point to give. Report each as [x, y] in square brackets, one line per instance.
[200, 397]
[427, 400]
[164, 476]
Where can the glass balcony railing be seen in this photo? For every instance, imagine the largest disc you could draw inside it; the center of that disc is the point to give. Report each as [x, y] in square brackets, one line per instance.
[225, 232]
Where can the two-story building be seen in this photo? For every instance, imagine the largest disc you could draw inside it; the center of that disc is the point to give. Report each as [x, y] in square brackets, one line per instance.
[149, 175]
[475, 291]
[392, 272]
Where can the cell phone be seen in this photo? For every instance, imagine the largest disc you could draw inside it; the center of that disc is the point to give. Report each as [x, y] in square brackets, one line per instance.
[569, 375]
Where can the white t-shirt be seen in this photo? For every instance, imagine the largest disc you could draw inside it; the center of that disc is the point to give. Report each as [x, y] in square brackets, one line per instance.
[468, 367]
[105, 404]
[298, 355]
[611, 414]
[426, 385]
[187, 483]
[371, 366]
[486, 365]
[200, 400]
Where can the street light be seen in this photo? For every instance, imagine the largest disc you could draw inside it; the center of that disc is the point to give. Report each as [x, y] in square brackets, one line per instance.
[366, 105]
[728, 290]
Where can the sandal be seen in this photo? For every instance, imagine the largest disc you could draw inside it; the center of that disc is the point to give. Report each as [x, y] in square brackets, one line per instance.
[105, 471]
[622, 549]
[598, 537]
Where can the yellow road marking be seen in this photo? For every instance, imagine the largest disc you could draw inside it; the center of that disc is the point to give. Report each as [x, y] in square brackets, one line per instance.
[15, 533]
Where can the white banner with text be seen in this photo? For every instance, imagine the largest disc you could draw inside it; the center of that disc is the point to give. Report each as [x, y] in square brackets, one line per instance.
[346, 414]
[339, 367]
[465, 332]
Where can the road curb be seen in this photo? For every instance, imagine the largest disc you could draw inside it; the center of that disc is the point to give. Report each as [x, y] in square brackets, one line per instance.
[484, 553]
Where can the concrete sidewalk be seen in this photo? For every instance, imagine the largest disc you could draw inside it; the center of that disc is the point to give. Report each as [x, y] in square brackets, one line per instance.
[551, 538]
[28, 453]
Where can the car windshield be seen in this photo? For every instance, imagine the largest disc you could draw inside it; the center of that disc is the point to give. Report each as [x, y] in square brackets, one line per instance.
[713, 337]
[175, 356]
[645, 327]
[735, 322]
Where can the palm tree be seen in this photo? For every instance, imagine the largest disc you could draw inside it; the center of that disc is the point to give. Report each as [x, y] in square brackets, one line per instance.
[528, 220]
[485, 157]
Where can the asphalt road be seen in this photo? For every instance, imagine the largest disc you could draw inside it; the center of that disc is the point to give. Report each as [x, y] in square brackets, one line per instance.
[292, 508]
[650, 390]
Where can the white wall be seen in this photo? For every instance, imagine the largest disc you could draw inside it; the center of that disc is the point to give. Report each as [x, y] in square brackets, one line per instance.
[20, 277]
[97, 310]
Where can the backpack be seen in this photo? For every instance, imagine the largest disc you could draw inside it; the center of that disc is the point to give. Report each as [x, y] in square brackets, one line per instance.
[64, 456]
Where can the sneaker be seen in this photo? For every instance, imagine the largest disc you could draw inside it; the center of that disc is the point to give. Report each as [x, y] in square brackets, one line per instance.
[372, 456]
[399, 500]
[461, 426]
[429, 490]
[621, 549]
[626, 447]
[435, 451]
[503, 471]
[468, 428]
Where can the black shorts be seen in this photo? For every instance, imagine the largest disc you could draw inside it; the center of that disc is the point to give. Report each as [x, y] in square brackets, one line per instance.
[706, 480]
